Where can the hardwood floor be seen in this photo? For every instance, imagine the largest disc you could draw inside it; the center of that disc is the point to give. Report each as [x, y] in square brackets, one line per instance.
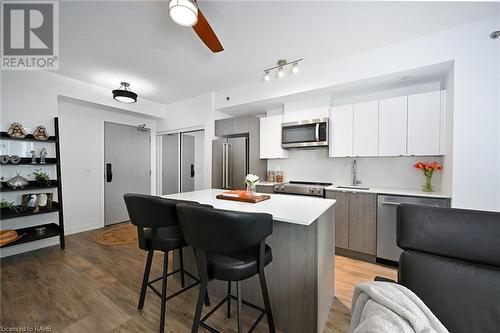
[94, 288]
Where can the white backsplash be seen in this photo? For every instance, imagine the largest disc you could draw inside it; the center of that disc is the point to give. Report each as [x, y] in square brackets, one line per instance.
[393, 172]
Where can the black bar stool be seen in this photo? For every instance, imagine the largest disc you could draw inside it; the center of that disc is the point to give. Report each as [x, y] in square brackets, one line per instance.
[229, 246]
[158, 230]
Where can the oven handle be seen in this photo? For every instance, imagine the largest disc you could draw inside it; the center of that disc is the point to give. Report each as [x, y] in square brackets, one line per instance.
[391, 203]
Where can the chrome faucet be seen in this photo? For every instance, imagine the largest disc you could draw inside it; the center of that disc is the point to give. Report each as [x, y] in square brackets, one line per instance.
[355, 180]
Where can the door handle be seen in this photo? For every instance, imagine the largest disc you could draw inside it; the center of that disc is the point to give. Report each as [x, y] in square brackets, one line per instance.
[192, 170]
[109, 173]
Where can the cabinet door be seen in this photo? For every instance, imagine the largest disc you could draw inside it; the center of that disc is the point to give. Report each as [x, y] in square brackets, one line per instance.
[270, 137]
[341, 218]
[424, 124]
[363, 223]
[392, 126]
[241, 125]
[224, 127]
[366, 129]
[341, 126]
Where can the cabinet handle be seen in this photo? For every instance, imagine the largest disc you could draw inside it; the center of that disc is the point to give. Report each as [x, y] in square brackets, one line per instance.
[391, 203]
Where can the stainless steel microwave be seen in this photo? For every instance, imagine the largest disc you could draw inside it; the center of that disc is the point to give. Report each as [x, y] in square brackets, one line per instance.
[305, 134]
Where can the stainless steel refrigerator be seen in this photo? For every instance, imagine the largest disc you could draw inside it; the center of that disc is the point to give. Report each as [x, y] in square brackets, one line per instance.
[229, 163]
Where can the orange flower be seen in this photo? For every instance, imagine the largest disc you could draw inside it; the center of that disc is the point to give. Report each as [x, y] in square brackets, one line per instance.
[419, 165]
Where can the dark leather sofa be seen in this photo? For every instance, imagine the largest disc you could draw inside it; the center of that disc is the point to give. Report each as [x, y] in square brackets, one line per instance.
[451, 260]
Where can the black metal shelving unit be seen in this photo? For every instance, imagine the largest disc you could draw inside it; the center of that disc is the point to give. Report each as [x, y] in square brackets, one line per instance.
[30, 234]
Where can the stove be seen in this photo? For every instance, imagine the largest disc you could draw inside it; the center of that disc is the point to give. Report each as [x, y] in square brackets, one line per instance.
[302, 188]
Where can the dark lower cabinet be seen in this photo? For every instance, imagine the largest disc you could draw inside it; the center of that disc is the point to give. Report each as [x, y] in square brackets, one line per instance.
[363, 223]
[355, 221]
[341, 218]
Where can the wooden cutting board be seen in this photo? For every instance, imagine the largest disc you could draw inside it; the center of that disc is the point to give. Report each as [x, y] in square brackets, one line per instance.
[242, 196]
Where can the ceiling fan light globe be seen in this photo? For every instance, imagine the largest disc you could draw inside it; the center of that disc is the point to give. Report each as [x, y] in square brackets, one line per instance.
[183, 12]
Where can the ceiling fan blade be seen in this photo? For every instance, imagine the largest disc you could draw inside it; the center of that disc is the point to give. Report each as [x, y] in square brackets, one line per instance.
[206, 34]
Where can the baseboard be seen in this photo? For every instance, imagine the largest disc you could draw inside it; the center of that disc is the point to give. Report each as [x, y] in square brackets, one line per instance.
[356, 255]
[83, 228]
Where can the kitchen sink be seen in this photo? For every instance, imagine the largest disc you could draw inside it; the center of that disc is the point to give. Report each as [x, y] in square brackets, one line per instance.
[354, 187]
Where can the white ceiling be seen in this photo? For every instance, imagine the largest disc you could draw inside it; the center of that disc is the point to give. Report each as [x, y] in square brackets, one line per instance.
[135, 41]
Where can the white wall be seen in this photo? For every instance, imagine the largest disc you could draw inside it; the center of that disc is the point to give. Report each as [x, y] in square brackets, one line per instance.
[82, 156]
[476, 124]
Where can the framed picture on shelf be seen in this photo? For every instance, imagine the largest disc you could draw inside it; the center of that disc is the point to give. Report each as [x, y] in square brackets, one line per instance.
[35, 201]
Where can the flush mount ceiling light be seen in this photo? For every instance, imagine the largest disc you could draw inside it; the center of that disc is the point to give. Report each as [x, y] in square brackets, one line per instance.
[280, 65]
[183, 12]
[124, 94]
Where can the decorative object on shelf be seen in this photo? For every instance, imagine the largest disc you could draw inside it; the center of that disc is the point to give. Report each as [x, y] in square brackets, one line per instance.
[33, 157]
[42, 179]
[8, 236]
[428, 169]
[14, 159]
[9, 206]
[17, 131]
[41, 231]
[4, 159]
[251, 181]
[43, 154]
[35, 201]
[280, 66]
[41, 133]
[124, 95]
[17, 181]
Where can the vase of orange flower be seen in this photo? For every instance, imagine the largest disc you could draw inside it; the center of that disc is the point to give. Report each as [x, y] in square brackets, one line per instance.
[428, 170]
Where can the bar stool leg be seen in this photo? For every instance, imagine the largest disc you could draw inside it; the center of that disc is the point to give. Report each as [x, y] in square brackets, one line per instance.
[267, 303]
[181, 266]
[229, 299]
[145, 279]
[199, 306]
[238, 296]
[164, 292]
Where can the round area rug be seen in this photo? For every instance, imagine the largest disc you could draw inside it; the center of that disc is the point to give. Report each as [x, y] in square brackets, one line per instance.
[123, 234]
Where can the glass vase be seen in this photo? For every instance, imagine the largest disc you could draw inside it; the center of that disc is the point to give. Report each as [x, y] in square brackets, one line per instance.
[250, 189]
[428, 184]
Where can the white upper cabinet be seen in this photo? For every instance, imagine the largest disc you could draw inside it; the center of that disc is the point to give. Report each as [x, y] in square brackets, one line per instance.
[366, 129]
[392, 121]
[341, 131]
[424, 124]
[270, 138]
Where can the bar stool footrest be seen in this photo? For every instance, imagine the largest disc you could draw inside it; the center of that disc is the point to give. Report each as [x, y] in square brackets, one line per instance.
[224, 300]
[177, 293]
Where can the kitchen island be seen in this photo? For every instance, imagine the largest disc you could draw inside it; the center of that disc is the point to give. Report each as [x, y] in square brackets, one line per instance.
[301, 276]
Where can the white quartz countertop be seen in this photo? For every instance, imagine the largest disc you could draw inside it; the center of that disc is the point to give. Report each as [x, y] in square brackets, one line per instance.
[391, 191]
[285, 208]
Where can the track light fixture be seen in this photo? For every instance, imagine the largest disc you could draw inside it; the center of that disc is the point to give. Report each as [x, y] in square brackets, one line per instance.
[280, 65]
[124, 94]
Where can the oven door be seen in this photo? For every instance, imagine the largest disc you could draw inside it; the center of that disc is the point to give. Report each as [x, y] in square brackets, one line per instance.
[306, 133]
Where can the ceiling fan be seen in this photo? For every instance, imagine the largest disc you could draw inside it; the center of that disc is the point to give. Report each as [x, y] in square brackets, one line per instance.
[187, 14]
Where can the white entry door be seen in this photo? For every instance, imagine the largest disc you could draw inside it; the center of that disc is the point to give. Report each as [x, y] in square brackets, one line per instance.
[127, 167]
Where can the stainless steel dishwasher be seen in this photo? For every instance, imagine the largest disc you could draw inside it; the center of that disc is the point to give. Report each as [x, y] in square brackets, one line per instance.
[387, 250]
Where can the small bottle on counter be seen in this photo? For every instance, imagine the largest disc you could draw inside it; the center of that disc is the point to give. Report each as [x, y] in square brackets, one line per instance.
[270, 176]
[279, 176]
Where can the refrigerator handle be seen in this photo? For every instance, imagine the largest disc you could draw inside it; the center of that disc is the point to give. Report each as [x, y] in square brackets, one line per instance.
[224, 165]
[228, 166]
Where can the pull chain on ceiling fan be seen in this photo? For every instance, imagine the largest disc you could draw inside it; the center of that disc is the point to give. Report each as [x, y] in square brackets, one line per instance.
[187, 14]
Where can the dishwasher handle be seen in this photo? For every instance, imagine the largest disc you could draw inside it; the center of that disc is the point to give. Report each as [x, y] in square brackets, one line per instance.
[391, 203]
